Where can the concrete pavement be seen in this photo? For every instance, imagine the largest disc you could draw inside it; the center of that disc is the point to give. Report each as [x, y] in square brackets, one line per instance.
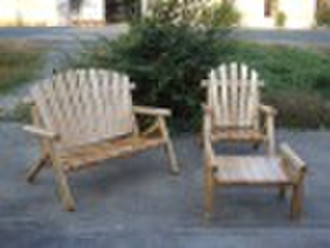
[135, 203]
[65, 34]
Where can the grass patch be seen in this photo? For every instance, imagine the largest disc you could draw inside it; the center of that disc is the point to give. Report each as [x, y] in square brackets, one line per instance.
[297, 81]
[20, 62]
[286, 68]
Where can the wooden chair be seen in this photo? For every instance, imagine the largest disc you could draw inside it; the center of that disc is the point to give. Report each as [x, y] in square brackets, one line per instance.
[85, 116]
[283, 170]
[233, 94]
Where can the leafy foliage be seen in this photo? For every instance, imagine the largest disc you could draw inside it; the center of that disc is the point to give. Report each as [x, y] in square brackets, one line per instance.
[167, 54]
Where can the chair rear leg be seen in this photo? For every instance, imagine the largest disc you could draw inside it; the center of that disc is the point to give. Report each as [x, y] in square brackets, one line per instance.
[172, 157]
[34, 170]
[63, 187]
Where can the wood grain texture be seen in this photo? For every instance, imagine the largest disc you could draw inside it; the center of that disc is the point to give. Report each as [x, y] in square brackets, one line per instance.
[233, 95]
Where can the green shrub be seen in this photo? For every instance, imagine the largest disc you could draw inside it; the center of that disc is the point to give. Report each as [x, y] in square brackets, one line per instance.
[323, 16]
[285, 68]
[299, 109]
[280, 19]
[166, 55]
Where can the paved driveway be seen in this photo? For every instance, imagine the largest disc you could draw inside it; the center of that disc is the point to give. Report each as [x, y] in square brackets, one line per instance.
[52, 34]
[293, 37]
[136, 203]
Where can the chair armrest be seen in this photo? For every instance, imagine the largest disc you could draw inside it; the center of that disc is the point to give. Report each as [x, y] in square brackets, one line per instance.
[268, 110]
[41, 132]
[293, 162]
[143, 110]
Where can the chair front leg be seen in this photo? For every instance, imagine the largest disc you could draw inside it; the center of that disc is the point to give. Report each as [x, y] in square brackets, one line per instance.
[34, 170]
[296, 201]
[208, 191]
[168, 146]
[63, 187]
[61, 180]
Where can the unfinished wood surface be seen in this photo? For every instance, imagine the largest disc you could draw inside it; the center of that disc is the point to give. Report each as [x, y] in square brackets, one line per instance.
[283, 170]
[250, 170]
[83, 156]
[239, 135]
[233, 94]
[86, 116]
[72, 103]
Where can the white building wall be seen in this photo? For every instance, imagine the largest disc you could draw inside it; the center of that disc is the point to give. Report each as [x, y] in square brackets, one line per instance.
[91, 10]
[299, 13]
[48, 12]
[252, 14]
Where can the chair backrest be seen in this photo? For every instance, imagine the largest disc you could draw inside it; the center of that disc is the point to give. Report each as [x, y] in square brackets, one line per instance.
[85, 106]
[233, 94]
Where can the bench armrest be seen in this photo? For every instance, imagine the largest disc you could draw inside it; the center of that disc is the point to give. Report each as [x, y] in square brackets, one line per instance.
[268, 110]
[41, 132]
[143, 110]
[296, 166]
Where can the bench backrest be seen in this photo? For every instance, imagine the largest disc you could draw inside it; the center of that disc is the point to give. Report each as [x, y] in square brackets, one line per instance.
[233, 94]
[85, 106]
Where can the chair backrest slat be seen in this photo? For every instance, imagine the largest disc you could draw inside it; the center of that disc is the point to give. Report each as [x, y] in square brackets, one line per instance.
[86, 106]
[233, 94]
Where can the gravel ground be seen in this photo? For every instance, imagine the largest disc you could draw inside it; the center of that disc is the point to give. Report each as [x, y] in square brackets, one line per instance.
[135, 202]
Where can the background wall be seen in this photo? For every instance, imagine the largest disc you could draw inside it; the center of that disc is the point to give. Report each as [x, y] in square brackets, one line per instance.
[299, 13]
[48, 12]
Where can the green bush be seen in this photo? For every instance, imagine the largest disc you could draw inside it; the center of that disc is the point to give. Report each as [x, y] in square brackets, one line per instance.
[284, 67]
[323, 16]
[299, 109]
[166, 55]
[280, 19]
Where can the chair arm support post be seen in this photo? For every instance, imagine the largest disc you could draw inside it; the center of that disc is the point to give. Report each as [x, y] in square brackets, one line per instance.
[293, 163]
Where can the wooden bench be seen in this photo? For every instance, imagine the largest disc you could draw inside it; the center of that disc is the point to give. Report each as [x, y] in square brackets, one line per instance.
[85, 116]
